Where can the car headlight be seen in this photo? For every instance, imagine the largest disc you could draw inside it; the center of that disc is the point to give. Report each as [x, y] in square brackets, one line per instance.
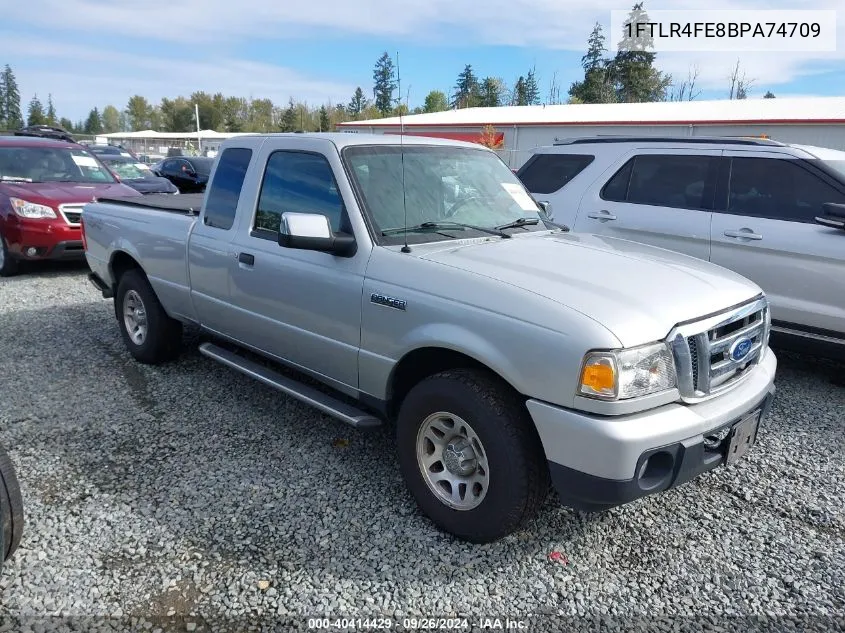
[628, 373]
[31, 210]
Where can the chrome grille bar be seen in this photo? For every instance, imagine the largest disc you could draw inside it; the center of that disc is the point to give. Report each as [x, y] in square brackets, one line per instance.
[703, 349]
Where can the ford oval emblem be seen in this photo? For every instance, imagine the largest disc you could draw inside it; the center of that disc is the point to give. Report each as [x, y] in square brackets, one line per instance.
[740, 349]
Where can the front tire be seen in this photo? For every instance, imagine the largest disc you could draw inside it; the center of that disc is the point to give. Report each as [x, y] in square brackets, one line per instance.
[11, 508]
[8, 264]
[150, 335]
[470, 455]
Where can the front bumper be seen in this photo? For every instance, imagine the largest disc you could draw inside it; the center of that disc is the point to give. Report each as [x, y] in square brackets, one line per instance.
[598, 462]
[48, 239]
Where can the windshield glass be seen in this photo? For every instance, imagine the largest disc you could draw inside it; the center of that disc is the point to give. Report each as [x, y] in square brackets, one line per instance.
[127, 170]
[50, 164]
[442, 184]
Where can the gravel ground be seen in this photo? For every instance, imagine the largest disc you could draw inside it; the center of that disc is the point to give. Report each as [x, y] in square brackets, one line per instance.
[188, 497]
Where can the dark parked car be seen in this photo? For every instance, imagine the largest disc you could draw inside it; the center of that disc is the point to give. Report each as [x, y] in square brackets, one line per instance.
[136, 175]
[111, 150]
[11, 509]
[188, 173]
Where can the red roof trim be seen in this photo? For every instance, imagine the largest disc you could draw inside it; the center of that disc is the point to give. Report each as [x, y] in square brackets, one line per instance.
[570, 123]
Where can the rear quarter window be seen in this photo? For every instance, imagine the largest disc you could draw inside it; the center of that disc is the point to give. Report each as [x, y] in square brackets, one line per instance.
[225, 189]
[548, 173]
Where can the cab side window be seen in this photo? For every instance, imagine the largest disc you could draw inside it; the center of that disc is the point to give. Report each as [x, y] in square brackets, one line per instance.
[298, 182]
[225, 188]
[678, 181]
[778, 189]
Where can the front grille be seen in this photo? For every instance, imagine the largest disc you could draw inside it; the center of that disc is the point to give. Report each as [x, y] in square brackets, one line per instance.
[72, 213]
[713, 354]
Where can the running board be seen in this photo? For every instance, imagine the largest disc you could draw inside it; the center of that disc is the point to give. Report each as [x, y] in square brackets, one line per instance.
[304, 393]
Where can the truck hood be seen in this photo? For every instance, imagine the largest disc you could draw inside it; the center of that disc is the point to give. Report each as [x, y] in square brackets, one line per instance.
[54, 193]
[638, 292]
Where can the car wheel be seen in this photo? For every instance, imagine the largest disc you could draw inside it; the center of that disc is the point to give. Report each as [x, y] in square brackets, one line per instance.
[151, 336]
[8, 264]
[470, 455]
[11, 508]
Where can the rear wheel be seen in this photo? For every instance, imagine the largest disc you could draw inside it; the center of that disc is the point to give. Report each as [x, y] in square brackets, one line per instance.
[11, 508]
[8, 264]
[470, 455]
[151, 336]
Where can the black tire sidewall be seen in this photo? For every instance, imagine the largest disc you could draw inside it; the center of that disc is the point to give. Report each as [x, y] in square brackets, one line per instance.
[509, 489]
[10, 264]
[154, 345]
[11, 508]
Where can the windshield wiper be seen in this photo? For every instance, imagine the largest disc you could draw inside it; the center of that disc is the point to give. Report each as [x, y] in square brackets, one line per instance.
[438, 226]
[521, 222]
[18, 179]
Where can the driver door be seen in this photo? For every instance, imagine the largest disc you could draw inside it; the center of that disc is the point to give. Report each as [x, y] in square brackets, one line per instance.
[301, 306]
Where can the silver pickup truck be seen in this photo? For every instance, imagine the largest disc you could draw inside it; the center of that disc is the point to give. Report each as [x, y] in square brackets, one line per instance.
[414, 281]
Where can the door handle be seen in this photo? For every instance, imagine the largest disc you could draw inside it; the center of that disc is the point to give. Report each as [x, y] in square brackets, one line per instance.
[246, 258]
[746, 234]
[601, 215]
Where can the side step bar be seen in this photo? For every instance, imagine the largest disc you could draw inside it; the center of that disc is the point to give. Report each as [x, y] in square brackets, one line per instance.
[317, 399]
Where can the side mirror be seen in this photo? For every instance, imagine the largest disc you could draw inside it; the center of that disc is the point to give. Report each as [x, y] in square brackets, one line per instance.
[313, 232]
[546, 207]
[834, 216]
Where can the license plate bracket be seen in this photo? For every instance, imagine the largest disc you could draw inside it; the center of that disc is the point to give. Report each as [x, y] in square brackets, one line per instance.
[743, 436]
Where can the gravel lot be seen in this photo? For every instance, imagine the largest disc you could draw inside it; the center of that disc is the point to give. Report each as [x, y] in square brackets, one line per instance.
[181, 496]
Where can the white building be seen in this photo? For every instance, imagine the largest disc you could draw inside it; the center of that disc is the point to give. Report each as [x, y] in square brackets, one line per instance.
[812, 121]
[154, 143]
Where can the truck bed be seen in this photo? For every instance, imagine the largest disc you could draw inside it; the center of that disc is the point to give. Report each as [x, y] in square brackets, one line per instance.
[186, 203]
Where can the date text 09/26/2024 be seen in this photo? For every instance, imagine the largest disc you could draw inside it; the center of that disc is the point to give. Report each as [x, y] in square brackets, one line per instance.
[418, 624]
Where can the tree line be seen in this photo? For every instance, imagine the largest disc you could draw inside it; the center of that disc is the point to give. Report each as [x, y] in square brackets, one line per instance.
[630, 75]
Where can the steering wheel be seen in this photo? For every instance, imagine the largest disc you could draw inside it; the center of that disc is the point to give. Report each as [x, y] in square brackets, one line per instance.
[460, 203]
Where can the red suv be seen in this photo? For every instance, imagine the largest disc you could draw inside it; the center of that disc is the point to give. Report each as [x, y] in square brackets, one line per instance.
[44, 183]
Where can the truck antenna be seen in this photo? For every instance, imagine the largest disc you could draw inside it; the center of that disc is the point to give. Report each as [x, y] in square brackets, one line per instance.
[405, 247]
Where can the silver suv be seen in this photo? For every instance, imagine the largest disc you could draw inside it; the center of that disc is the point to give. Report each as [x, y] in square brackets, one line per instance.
[748, 204]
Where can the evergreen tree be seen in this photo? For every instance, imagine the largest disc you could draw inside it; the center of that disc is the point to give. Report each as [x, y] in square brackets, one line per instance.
[67, 124]
[520, 92]
[10, 105]
[35, 112]
[289, 118]
[466, 89]
[51, 111]
[491, 92]
[633, 71]
[325, 122]
[597, 85]
[384, 83]
[769, 95]
[532, 90]
[93, 124]
[358, 103]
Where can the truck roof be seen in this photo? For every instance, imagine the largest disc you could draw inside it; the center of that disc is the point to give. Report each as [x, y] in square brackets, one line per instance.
[344, 139]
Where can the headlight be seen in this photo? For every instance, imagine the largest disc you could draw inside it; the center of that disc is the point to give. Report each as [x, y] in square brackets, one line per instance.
[628, 373]
[31, 210]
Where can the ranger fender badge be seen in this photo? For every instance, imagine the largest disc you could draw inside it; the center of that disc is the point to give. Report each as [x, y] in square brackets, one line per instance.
[390, 302]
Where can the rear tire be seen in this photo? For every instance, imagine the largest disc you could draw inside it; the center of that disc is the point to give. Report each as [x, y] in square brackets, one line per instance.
[150, 335]
[8, 264]
[11, 508]
[470, 455]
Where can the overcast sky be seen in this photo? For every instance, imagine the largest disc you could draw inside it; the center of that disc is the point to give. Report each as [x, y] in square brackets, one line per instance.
[96, 52]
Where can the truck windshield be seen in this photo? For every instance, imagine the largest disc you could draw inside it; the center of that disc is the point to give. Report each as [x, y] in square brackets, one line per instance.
[441, 184]
[50, 164]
